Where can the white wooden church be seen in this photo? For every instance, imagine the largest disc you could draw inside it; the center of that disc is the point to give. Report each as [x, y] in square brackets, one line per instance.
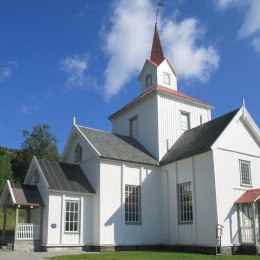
[166, 176]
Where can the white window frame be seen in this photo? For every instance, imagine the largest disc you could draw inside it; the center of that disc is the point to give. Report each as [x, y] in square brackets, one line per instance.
[133, 204]
[72, 216]
[245, 173]
[184, 125]
[185, 206]
[167, 78]
[133, 122]
[148, 80]
[78, 153]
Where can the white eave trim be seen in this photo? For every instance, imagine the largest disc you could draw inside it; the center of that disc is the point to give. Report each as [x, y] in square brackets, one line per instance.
[94, 148]
[41, 172]
[11, 191]
[246, 117]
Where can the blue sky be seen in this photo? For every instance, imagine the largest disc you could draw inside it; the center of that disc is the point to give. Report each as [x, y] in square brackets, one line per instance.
[82, 58]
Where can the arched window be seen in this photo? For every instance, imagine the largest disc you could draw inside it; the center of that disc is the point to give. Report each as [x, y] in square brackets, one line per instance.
[167, 78]
[78, 153]
[148, 80]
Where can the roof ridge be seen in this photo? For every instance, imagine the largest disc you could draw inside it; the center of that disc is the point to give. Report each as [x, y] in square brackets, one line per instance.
[99, 130]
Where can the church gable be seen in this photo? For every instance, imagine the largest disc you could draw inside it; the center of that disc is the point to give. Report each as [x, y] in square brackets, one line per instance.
[167, 75]
[239, 137]
[78, 148]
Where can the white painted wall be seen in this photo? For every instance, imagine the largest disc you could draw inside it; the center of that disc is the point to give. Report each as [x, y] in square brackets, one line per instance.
[165, 67]
[113, 230]
[236, 143]
[169, 118]
[87, 150]
[157, 75]
[199, 171]
[147, 123]
[238, 138]
[57, 236]
[229, 188]
[54, 217]
[147, 69]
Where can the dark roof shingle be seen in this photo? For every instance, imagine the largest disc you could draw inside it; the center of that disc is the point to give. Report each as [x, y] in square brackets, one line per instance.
[118, 147]
[26, 195]
[197, 140]
[65, 176]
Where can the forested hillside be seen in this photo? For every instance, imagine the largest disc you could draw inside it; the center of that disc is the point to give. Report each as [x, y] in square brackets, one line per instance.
[14, 163]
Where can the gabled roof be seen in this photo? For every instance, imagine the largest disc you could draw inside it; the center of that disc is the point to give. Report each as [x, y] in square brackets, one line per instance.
[249, 196]
[26, 195]
[160, 89]
[65, 177]
[20, 194]
[157, 52]
[198, 140]
[117, 147]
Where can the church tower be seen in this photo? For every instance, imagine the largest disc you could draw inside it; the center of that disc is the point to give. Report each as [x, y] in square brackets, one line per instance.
[160, 114]
[158, 70]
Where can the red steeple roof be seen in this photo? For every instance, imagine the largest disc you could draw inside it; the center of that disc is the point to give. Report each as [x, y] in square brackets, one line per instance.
[157, 52]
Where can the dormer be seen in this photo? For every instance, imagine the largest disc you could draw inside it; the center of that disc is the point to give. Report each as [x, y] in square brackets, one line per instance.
[158, 70]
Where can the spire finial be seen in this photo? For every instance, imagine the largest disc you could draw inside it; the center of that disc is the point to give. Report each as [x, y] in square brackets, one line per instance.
[244, 108]
[74, 120]
[157, 52]
[157, 11]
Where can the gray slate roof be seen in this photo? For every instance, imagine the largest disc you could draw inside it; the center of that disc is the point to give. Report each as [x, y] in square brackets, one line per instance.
[118, 147]
[65, 177]
[197, 140]
[26, 195]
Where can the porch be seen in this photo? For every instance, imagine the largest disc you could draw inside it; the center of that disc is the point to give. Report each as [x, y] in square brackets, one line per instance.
[248, 212]
[25, 204]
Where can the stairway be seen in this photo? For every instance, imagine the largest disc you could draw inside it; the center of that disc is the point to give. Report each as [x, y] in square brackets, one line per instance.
[6, 247]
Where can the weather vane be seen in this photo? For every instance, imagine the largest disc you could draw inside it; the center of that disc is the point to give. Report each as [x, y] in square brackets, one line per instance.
[157, 10]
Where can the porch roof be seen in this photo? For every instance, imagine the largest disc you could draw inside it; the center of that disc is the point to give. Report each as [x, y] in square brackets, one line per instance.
[27, 195]
[248, 196]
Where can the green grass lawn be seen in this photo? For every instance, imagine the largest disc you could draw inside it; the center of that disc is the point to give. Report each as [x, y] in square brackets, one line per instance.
[147, 255]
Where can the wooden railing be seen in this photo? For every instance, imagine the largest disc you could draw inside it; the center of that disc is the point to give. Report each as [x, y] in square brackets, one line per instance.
[247, 235]
[28, 232]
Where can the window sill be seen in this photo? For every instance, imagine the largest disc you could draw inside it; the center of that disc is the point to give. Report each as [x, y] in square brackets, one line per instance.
[133, 223]
[186, 223]
[246, 185]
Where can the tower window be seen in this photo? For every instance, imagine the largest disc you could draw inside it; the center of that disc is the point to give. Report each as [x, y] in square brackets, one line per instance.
[148, 80]
[78, 153]
[133, 126]
[185, 121]
[166, 78]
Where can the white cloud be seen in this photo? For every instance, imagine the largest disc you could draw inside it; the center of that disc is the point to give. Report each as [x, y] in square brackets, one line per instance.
[223, 4]
[24, 109]
[250, 28]
[75, 68]
[48, 94]
[191, 60]
[6, 71]
[128, 44]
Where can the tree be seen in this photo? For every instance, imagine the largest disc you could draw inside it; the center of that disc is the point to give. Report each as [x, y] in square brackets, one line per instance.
[40, 142]
[5, 170]
[20, 164]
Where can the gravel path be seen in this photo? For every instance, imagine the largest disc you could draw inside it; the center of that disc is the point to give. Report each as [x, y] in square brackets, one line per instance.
[21, 255]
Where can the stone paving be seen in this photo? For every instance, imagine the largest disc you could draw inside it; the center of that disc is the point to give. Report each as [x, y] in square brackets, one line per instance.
[21, 255]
